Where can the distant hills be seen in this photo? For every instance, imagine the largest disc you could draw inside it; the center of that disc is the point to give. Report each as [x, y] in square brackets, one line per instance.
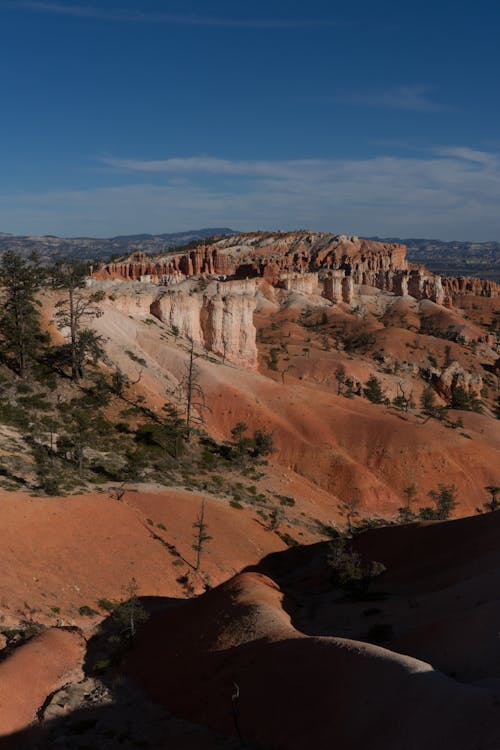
[480, 259]
[52, 248]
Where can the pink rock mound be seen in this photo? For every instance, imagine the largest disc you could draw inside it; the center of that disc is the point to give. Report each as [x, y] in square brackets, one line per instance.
[296, 691]
[33, 672]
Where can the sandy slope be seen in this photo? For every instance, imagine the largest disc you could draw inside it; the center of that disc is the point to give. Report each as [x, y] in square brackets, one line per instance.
[33, 672]
[350, 448]
[59, 554]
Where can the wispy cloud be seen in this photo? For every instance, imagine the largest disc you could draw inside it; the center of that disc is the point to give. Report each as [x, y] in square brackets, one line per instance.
[444, 193]
[468, 154]
[128, 16]
[407, 98]
[216, 166]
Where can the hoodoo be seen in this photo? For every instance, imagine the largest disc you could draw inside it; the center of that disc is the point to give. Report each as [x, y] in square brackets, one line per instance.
[295, 261]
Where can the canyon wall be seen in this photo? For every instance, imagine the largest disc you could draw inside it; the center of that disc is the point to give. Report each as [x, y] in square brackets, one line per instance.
[292, 261]
[305, 283]
[468, 285]
[220, 319]
[268, 256]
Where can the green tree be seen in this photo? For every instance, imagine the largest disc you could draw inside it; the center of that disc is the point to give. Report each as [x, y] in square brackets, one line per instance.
[263, 443]
[340, 377]
[493, 503]
[428, 401]
[130, 613]
[73, 311]
[445, 501]
[461, 399]
[406, 514]
[237, 433]
[373, 390]
[20, 331]
[84, 427]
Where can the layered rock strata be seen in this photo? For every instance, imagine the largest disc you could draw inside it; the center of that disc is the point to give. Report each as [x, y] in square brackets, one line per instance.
[476, 287]
[292, 260]
[220, 319]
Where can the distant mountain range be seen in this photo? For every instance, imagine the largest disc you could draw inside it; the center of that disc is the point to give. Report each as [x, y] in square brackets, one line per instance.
[480, 259]
[51, 248]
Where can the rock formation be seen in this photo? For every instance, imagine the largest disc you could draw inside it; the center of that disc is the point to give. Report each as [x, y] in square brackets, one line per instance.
[291, 261]
[305, 283]
[477, 287]
[220, 319]
[453, 377]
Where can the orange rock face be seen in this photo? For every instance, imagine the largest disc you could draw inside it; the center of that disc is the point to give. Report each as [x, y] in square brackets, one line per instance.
[477, 287]
[267, 256]
[340, 261]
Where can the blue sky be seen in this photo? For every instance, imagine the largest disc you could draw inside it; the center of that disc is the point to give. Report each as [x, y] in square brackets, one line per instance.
[369, 118]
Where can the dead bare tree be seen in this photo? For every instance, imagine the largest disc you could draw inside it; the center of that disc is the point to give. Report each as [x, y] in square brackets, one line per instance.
[235, 704]
[404, 399]
[195, 396]
[118, 493]
[201, 536]
[284, 372]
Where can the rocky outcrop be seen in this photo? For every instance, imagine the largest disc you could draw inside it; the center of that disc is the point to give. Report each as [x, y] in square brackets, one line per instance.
[305, 283]
[181, 310]
[269, 256]
[220, 319]
[473, 286]
[292, 260]
[337, 287]
[453, 377]
[422, 285]
[167, 269]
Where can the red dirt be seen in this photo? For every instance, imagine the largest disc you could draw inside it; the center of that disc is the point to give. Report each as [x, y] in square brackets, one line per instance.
[33, 672]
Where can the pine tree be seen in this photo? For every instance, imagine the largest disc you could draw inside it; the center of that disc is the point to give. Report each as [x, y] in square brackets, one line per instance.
[445, 499]
[373, 390]
[72, 312]
[428, 401]
[20, 332]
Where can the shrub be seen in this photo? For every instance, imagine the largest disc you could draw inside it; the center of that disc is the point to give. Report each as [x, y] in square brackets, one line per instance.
[373, 390]
[288, 540]
[460, 399]
[445, 502]
[349, 571]
[86, 611]
[285, 500]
